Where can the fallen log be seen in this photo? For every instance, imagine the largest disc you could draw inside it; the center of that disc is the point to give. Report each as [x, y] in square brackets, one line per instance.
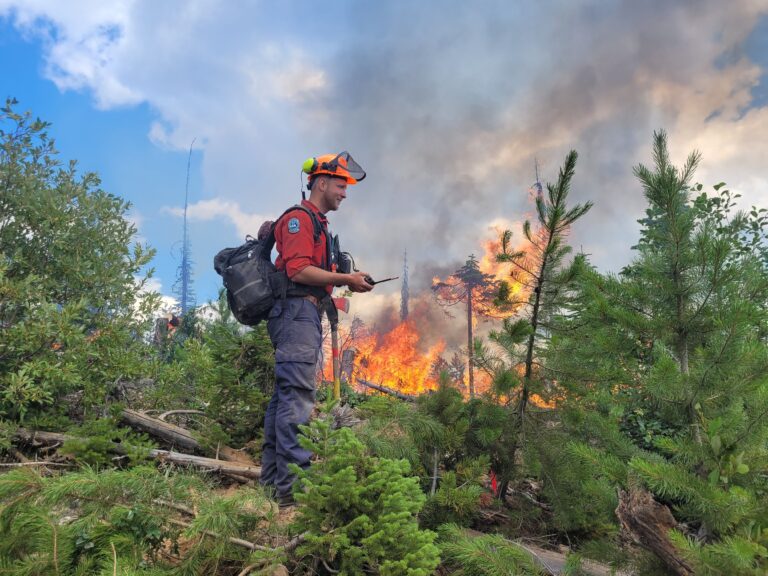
[234, 468]
[39, 438]
[554, 563]
[177, 436]
[649, 523]
[386, 390]
[18, 455]
[174, 435]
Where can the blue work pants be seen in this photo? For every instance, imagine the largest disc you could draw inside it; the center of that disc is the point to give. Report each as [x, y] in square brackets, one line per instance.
[295, 329]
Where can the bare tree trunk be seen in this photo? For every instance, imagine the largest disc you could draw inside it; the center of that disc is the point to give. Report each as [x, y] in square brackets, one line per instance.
[470, 344]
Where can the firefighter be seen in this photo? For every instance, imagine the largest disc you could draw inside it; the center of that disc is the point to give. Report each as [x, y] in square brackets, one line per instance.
[294, 322]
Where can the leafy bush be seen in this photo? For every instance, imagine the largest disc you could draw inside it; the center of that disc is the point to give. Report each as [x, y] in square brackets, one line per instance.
[71, 307]
[227, 372]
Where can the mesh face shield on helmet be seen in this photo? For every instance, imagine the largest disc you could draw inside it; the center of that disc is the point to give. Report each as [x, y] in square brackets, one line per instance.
[339, 165]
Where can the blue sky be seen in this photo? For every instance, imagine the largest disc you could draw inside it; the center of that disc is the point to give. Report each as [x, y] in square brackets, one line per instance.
[112, 143]
[446, 105]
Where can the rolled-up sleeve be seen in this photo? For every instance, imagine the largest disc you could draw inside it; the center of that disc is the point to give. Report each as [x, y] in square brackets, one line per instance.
[295, 245]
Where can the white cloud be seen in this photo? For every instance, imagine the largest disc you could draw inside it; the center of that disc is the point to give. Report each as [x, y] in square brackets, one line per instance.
[152, 285]
[207, 210]
[83, 44]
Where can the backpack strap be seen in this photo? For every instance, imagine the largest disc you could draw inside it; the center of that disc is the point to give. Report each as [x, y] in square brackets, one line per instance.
[317, 231]
[317, 226]
[287, 286]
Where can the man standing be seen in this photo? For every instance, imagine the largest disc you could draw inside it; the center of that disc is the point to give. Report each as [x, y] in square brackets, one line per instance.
[294, 325]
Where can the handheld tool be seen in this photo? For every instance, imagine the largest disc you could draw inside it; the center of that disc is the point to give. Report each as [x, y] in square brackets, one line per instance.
[373, 282]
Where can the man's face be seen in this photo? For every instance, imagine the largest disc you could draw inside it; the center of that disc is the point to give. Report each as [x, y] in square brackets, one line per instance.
[334, 191]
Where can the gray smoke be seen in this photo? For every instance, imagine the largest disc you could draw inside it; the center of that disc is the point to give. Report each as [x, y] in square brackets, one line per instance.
[447, 105]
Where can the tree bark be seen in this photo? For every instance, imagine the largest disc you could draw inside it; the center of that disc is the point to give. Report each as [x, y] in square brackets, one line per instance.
[235, 468]
[177, 436]
[648, 523]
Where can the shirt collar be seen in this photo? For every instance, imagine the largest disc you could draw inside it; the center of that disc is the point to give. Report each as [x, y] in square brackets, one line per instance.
[307, 204]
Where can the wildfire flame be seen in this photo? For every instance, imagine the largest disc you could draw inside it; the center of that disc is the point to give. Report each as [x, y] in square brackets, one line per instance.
[488, 263]
[396, 359]
[400, 360]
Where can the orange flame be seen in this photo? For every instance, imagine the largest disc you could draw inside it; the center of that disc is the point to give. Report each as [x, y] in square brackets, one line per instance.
[396, 360]
[488, 263]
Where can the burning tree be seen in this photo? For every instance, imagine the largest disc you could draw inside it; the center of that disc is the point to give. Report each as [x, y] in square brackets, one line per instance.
[479, 291]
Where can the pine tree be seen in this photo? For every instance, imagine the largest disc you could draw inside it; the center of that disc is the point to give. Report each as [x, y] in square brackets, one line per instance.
[666, 368]
[451, 444]
[124, 522]
[540, 270]
[515, 360]
[225, 370]
[485, 555]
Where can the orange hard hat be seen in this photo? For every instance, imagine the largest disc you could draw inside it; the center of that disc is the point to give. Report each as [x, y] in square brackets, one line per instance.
[338, 165]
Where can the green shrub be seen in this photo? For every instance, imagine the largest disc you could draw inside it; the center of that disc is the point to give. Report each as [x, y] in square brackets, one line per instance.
[359, 511]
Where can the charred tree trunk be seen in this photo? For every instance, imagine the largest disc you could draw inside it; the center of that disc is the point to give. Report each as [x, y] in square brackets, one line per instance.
[385, 390]
[525, 394]
[648, 523]
[470, 346]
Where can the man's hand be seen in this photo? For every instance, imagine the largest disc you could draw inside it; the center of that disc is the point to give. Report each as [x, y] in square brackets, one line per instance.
[357, 282]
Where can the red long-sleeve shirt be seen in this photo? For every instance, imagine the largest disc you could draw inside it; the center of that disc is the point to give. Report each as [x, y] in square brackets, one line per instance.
[295, 241]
